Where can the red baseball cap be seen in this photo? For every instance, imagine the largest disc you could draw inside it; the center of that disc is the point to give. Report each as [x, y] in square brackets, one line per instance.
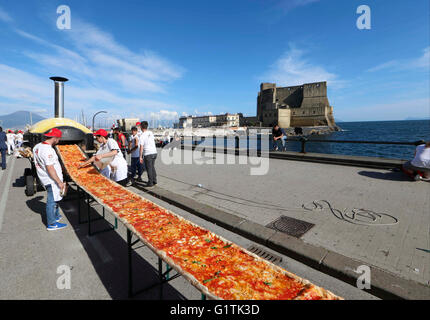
[54, 133]
[101, 132]
[137, 123]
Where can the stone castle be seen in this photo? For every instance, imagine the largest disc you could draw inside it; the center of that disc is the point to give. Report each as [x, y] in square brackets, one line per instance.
[297, 106]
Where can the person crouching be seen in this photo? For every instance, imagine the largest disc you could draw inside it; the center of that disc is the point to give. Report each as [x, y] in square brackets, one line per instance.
[109, 159]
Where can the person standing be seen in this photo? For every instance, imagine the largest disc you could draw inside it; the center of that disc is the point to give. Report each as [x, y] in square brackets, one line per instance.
[19, 139]
[3, 148]
[134, 152]
[120, 139]
[148, 153]
[10, 142]
[50, 174]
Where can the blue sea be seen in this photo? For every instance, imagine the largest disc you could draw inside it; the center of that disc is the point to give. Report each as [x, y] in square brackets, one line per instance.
[393, 131]
[396, 131]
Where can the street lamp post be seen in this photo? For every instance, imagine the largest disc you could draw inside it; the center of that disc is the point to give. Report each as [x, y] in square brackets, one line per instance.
[94, 116]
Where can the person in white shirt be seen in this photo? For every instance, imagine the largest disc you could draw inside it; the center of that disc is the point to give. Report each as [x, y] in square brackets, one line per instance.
[10, 142]
[167, 139]
[19, 139]
[50, 174]
[419, 167]
[148, 153]
[133, 150]
[109, 159]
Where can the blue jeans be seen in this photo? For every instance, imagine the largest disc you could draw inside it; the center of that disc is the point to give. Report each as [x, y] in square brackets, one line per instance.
[280, 143]
[135, 165]
[52, 210]
[3, 158]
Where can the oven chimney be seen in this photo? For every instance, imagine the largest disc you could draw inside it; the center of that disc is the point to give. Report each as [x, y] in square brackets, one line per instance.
[59, 96]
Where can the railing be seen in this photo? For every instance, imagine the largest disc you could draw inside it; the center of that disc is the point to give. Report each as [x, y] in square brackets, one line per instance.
[302, 140]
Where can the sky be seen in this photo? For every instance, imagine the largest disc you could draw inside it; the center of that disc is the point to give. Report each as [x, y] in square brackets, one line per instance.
[164, 59]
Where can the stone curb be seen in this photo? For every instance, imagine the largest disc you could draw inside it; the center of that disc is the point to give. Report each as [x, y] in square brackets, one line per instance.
[384, 285]
[355, 161]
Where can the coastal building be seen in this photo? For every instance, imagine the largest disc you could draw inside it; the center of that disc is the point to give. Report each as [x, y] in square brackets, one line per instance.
[221, 120]
[296, 106]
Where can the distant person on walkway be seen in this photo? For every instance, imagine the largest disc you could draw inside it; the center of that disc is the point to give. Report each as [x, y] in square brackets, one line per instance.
[19, 139]
[109, 159]
[3, 148]
[49, 171]
[166, 139]
[135, 164]
[10, 142]
[139, 129]
[279, 138]
[419, 167]
[148, 153]
[120, 139]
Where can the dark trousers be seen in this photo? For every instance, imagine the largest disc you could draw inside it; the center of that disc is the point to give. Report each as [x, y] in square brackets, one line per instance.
[149, 161]
[3, 158]
[136, 166]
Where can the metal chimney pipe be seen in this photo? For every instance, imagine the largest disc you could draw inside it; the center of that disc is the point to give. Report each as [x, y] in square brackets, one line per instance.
[59, 96]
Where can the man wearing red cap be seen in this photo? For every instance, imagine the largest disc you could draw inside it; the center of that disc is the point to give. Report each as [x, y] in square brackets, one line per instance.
[51, 176]
[109, 159]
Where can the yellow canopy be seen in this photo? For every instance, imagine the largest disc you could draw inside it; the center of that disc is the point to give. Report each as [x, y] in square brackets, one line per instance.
[47, 124]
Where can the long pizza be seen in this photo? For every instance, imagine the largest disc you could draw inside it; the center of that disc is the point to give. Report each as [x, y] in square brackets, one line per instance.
[218, 268]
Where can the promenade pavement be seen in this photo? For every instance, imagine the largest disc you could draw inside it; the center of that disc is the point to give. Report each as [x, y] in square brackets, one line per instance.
[392, 232]
[30, 256]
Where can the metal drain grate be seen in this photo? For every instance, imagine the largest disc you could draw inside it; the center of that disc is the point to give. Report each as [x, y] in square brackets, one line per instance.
[293, 227]
[259, 251]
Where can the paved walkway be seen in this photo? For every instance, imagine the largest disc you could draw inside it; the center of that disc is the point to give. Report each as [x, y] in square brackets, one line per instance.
[398, 242]
[30, 256]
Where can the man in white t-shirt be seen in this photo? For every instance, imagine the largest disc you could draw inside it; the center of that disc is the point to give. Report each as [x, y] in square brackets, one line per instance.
[19, 139]
[51, 176]
[419, 166]
[148, 153]
[10, 142]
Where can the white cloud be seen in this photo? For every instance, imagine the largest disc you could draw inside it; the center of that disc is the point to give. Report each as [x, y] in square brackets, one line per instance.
[98, 57]
[164, 115]
[288, 5]
[24, 91]
[4, 16]
[103, 73]
[292, 68]
[422, 62]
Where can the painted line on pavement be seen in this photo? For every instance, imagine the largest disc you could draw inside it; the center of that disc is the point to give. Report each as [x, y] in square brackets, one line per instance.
[5, 193]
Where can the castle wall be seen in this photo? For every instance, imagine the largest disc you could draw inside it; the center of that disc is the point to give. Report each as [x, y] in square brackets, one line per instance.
[289, 96]
[314, 95]
[308, 105]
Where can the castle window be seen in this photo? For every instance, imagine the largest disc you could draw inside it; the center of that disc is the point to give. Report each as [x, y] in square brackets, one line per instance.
[314, 111]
